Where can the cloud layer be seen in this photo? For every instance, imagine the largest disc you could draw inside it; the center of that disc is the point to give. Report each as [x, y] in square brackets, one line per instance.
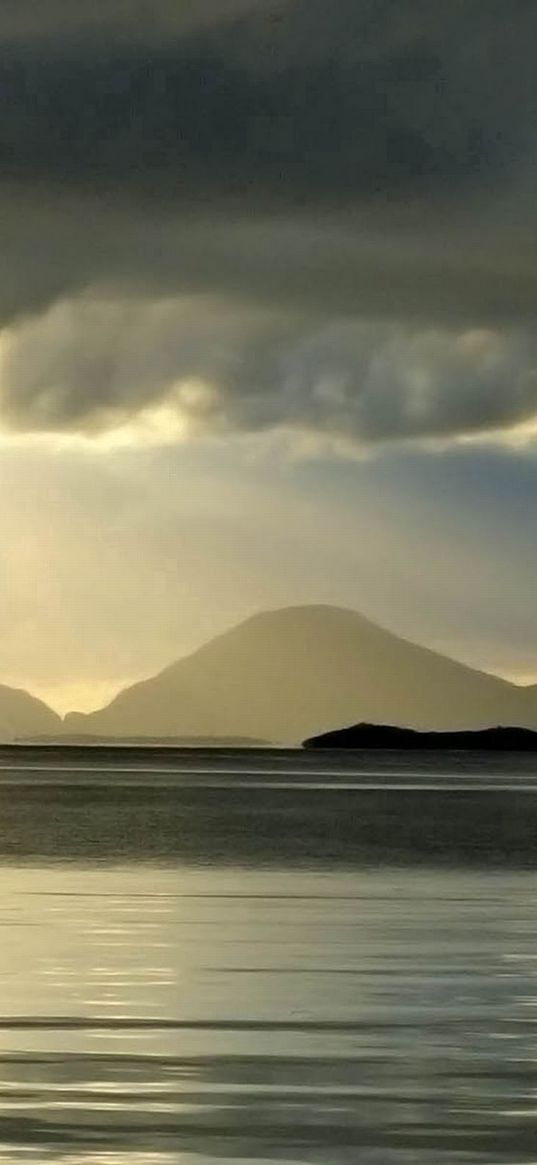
[300, 99]
[282, 212]
[94, 365]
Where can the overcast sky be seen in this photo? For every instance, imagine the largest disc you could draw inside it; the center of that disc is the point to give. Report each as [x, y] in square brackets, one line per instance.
[267, 327]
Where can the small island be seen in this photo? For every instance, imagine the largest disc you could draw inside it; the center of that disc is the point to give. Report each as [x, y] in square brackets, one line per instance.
[362, 737]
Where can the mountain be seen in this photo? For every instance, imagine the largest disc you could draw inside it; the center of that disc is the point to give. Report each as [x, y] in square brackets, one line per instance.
[24, 715]
[289, 674]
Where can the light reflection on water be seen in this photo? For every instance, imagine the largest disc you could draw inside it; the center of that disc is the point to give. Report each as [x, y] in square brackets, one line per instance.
[154, 1016]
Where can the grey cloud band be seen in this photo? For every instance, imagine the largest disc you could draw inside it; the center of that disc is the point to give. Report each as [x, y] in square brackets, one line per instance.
[324, 213]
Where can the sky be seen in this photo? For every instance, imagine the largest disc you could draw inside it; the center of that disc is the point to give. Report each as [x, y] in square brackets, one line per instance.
[267, 327]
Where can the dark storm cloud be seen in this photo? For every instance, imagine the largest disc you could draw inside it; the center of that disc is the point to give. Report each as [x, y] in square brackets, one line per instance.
[359, 172]
[302, 100]
[137, 19]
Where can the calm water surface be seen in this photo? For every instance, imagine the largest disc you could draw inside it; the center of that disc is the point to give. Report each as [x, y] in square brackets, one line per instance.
[179, 1012]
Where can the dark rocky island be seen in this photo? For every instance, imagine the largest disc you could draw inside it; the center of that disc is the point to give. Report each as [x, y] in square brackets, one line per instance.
[380, 736]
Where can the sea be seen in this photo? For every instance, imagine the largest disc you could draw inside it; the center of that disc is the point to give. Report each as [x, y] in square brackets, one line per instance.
[265, 956]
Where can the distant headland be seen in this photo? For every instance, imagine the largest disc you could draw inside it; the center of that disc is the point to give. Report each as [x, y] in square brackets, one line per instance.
[181, 742]
[384, 736]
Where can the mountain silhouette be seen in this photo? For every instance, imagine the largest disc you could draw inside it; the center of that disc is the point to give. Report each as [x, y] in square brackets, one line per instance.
[24, 715]
[293, 673]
